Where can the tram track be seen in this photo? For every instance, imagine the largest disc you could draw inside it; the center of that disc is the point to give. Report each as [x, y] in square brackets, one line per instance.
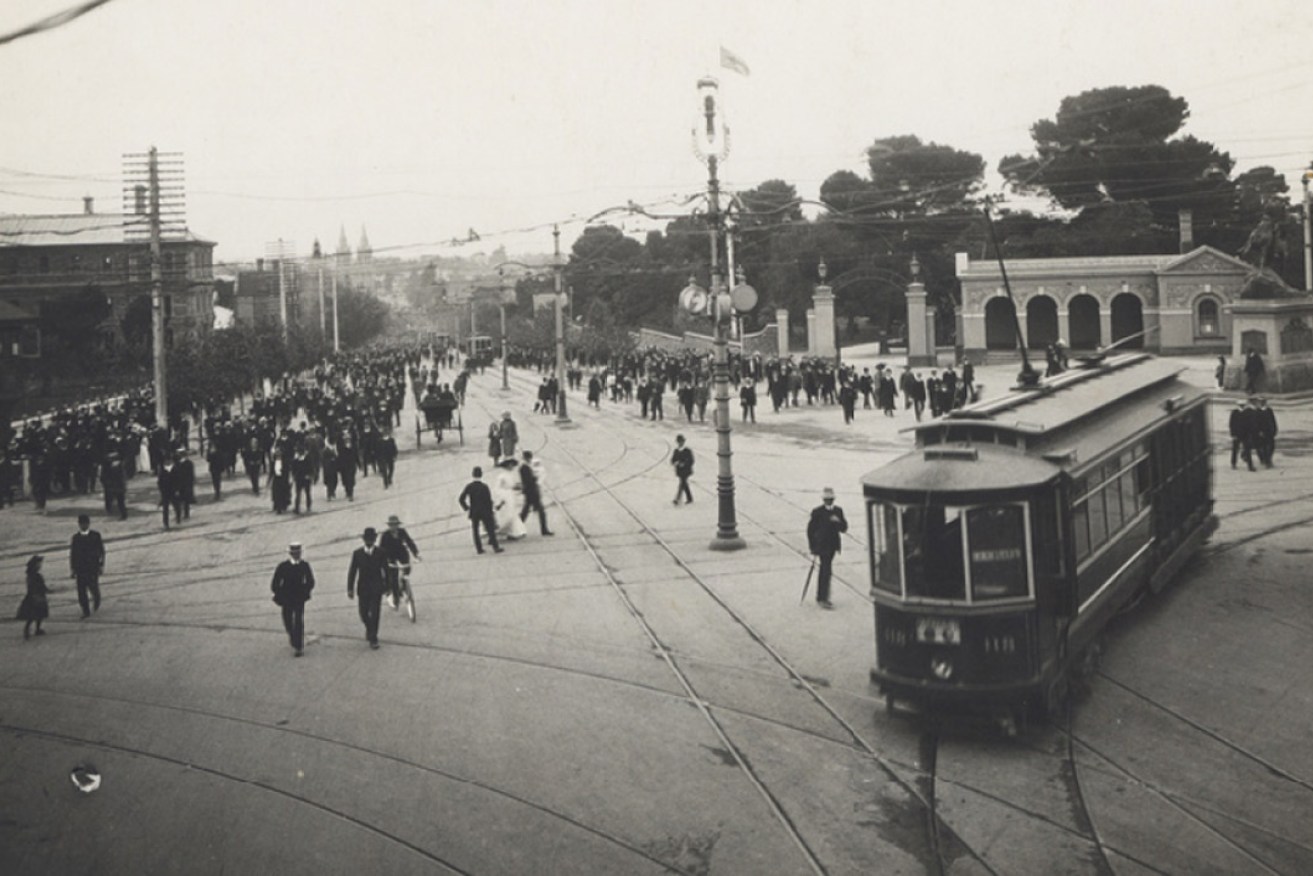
[350, 747]
[930, 760]
[938, 834]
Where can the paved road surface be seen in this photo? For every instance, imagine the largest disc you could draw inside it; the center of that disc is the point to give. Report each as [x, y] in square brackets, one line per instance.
[620, 699]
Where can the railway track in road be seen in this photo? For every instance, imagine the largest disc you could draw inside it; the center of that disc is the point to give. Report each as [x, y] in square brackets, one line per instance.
[941, 842]
[320, 739]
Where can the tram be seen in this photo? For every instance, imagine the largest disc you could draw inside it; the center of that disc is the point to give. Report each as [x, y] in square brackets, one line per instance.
[479, 348]
[1002, 546]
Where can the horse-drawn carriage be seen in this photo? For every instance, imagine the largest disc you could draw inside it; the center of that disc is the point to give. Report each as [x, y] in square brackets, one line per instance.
[438, 412]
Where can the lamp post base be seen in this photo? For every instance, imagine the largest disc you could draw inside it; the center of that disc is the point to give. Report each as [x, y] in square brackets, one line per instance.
[727, 543]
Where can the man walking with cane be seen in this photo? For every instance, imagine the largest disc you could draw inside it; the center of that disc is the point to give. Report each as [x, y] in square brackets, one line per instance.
[824, 529]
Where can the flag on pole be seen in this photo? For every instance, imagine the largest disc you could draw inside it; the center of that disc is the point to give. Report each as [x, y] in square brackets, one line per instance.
[731, 61]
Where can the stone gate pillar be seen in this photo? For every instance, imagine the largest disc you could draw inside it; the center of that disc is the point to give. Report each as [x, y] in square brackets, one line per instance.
[782, 331]
[920, 323]
[811, 332]
[823, 304]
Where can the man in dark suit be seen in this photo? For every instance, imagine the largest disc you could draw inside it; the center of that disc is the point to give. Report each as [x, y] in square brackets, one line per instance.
[86, 560]
[824, 528]
[1265, 422]
[682, 460]
[169, 481]
[533, 495]
[368, 568]
[186, 481]
[114, 481]
[292, 583]
[476, 501]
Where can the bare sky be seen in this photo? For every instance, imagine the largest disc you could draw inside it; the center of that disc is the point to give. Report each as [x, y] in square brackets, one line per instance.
[421, 120]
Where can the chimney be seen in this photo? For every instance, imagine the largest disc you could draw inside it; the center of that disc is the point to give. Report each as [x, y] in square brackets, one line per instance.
[88, 204]
[1186, 219]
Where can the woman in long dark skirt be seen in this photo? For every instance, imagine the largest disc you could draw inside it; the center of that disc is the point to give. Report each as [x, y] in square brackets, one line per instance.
[34, 608]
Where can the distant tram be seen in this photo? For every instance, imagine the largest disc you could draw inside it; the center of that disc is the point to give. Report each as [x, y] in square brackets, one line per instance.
[479, 348]
[1021, 525]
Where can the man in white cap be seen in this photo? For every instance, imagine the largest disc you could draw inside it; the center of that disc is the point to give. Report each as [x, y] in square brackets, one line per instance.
[824, 531]
[293, 581]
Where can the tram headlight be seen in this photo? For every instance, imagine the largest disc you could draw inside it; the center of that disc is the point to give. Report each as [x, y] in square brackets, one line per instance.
[942, 667]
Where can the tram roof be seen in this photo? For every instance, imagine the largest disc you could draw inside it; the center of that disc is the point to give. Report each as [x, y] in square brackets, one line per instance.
[961, 470]
[1058, 402]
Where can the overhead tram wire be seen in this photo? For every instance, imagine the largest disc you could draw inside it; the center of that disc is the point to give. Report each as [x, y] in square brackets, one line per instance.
[50, 22]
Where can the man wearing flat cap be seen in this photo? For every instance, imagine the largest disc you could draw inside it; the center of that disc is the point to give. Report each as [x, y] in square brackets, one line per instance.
[824, 540]
[368, 568]
[293, 581]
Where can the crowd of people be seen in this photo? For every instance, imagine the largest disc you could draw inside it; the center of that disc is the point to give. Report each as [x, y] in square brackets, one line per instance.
[336, 423]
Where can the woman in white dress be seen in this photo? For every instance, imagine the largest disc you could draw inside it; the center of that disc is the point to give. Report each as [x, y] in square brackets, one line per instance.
[508, 499]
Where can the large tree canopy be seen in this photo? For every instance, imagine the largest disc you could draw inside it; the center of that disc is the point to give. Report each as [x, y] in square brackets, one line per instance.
[1113, 144]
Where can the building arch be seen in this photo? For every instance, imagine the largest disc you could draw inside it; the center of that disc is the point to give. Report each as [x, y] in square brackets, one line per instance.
[1000, 324]
[1128, 320]
[1041, 322]
[1207, 317]
[1083, 322]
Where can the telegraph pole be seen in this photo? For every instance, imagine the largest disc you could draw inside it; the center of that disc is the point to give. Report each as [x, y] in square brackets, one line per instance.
[562, 417]
[337, 338]
[153, 208]
[1308, 232]
[157, 297]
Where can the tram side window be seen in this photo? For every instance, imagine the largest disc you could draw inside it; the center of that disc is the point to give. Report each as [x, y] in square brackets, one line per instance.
[932, 549]
[997, 536]
[883, 520]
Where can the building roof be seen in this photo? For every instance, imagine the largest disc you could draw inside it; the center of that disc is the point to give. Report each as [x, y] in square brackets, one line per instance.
[973, 269]
[13, 313]
[18, 229]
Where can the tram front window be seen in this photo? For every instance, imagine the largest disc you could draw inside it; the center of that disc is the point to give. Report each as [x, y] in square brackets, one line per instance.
[997, 534]
[932, 552]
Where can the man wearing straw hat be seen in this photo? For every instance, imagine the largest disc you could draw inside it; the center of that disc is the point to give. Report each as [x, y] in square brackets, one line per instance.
[824, 531]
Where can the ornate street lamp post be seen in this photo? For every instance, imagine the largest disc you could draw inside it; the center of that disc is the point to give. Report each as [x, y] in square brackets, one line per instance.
[711, 143]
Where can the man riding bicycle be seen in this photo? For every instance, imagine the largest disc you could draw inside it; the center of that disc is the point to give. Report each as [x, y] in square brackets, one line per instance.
[397, 546]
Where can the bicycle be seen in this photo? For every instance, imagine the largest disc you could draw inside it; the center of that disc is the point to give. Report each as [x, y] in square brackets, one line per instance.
[402, 571]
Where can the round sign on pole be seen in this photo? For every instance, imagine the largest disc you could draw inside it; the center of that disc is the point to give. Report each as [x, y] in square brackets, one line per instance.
[693, 299]
[743, 297]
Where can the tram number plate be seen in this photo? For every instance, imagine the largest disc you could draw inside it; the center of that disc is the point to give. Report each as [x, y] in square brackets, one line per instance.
[938, 632]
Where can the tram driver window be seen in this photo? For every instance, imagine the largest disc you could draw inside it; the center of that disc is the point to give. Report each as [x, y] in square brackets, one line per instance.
[883, 520]
[997, 536]
[933, 566]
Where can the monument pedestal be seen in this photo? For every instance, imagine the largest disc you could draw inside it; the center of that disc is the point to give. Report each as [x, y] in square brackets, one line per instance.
[1281, 331]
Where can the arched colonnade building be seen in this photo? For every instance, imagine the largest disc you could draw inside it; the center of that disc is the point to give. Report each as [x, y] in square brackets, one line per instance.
[1178, 301]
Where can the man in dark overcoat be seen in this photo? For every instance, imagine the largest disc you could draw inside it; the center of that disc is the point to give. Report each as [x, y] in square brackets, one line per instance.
[86, 560]
[476, 501]
[533, 495]
[368, 570]
[824, 531]
[293, 580]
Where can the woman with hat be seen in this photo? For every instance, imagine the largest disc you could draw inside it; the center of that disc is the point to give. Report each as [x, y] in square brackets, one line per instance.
[34, 607]
[508, 497]
[510, 435]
